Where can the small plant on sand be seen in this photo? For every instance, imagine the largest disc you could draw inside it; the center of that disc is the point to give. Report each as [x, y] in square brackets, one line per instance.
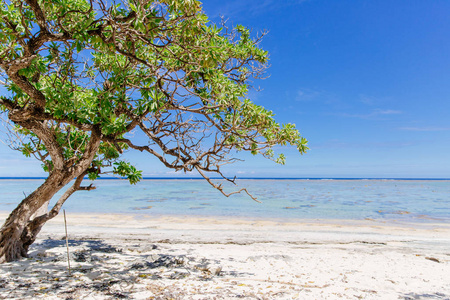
[78, 76]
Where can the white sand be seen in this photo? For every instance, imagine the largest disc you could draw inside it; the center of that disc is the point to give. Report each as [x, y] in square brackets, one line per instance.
[135, 257]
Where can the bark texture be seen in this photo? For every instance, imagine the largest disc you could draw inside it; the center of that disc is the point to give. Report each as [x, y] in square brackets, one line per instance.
[12, 244]
[21, 227]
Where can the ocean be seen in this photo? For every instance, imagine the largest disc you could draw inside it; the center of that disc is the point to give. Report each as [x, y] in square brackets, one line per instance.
[284, 199]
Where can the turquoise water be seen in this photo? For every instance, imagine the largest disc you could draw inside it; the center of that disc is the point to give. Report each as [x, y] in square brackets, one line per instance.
[409, 200]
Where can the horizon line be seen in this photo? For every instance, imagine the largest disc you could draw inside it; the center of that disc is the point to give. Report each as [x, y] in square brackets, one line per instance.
[241, 178]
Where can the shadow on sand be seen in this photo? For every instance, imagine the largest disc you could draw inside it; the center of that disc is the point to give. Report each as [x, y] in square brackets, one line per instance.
[414, 296]
[99, 269]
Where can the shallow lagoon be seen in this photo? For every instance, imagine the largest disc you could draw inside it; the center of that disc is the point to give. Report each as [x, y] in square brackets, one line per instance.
[405, 200]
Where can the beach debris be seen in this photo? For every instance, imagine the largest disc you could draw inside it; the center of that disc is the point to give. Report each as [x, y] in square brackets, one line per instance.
[142, 208]
[137, 266]
[81, 256]
[398, 212]
[94, 275]
[216, 271]
[202, 267]
[178, 275]
[83, 270]
[148, 248]
[300, 206]
[433, 259]
[205, 267]
[151, 276]
[101, 286]
[106, 249]
[118, 295]
[41, 254]
[166, 261]
[165, 241]
[155, 200]
[142, 249]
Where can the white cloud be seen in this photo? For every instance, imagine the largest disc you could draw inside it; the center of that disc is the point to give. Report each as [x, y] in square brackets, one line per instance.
[374, 114]
[386, 112]
[256, 7]
[425, 128]
[245, 172]
[307, 95]
[367, 99]
[371, 100]
[337, 144]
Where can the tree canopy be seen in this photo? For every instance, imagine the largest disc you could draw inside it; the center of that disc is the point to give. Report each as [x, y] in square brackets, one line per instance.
[83, 78]
[76, 67]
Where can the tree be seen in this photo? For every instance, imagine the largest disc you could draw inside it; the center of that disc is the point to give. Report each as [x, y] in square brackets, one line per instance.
[81, 75]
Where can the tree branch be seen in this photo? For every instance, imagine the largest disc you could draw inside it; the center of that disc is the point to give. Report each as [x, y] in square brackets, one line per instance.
[220, 188]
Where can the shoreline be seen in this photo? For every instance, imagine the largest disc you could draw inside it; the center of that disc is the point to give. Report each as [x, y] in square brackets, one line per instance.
[108, 219]
[417, 222]
[144, 257]
[216, 230]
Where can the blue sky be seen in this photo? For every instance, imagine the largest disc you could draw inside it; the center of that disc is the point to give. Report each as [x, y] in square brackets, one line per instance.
[366, 82]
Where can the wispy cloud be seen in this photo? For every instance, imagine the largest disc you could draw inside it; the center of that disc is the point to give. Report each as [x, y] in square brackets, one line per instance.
[245, 172]
[386, 112]
[318, 96]
[236, 7]
[307, 95]
[425, 128]
[373, 114]
[368, 100]
[338, 144]
[373, 100]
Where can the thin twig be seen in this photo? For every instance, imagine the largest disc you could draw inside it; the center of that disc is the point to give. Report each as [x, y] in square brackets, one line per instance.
[67, 242]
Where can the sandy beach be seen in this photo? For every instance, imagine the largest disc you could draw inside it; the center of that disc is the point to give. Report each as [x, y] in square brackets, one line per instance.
[143, 257]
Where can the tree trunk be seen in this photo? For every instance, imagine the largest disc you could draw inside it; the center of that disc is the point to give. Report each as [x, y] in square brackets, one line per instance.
[22, 226]
[15, 236]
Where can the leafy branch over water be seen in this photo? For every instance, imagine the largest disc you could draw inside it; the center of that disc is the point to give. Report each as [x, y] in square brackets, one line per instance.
[83, 75]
